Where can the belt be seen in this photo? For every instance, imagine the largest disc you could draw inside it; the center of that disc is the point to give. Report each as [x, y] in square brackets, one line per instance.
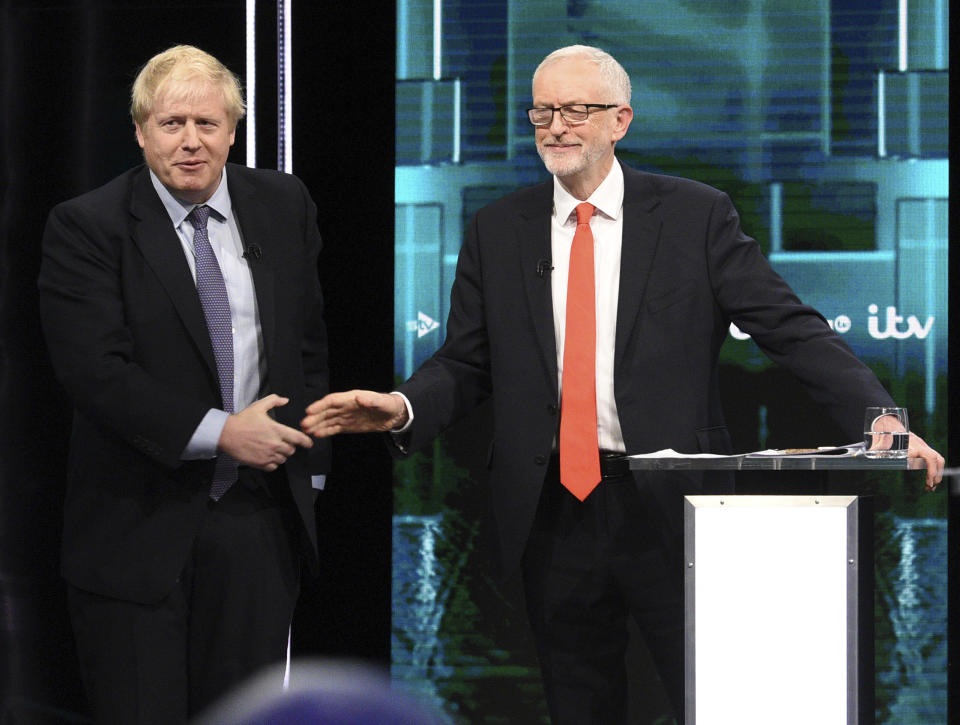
[612, 465]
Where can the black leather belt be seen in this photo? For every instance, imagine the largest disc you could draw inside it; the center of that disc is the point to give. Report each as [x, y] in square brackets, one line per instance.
[612, 465]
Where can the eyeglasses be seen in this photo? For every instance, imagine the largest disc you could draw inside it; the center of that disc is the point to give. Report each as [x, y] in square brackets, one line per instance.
[574, 113]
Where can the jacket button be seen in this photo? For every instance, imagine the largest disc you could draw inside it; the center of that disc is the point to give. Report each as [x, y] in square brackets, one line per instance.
[540, 460]
[552, 409]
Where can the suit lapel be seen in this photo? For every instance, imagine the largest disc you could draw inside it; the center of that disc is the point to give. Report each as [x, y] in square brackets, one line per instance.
[641, 237]
[533, 235]
[254, 223]
[160, 247]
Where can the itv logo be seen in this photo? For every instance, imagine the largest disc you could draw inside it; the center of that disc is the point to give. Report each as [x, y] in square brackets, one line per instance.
[895, 326]
[913, 328]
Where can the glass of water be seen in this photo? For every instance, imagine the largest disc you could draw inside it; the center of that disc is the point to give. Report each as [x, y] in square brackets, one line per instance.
[886, 432]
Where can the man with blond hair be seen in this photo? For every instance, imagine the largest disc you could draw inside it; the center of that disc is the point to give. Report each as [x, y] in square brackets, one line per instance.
[591, 309]
[183, 315]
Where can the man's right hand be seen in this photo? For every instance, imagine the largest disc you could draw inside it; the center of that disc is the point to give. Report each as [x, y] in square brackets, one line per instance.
[356, 411]
[255, 439]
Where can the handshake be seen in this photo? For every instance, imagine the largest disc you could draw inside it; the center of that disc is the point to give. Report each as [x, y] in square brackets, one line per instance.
[255, 439]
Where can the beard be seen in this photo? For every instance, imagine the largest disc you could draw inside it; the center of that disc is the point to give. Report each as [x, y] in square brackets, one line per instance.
[567, 164]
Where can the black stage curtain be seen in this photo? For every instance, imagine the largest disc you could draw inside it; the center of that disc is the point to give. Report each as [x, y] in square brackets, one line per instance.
[65, 73]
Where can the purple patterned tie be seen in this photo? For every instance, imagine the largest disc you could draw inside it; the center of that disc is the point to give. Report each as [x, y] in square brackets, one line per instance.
[216, 308]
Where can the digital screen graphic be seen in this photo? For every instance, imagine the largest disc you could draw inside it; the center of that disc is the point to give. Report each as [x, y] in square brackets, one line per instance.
[826, 123]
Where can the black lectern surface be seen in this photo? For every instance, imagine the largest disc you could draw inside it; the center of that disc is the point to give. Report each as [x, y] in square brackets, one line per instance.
[673, 461]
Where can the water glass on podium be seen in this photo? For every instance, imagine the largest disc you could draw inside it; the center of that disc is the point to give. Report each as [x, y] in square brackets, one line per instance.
[886, 432]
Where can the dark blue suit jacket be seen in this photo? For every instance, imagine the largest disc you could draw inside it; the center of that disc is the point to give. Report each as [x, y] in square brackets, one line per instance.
[128, 340]
[687, 270]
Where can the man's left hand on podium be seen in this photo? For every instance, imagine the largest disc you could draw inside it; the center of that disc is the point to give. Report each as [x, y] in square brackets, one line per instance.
[919, 449]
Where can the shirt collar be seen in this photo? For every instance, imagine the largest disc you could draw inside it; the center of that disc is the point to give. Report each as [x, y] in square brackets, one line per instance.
[178, 209]
[607, 198]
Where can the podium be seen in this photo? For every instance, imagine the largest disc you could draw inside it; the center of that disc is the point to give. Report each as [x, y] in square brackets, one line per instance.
[778, 596]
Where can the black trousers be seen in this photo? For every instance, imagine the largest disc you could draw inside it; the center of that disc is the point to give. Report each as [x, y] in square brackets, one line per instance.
[227, 617]
[587, 566]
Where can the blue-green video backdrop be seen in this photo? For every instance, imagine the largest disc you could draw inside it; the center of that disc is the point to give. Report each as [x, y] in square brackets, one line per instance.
[826, 122]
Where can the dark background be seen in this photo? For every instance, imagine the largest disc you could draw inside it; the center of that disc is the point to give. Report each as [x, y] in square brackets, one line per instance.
[65, 73]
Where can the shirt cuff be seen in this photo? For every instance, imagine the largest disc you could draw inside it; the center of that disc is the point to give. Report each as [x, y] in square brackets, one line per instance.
[406, 426]
[203, 442]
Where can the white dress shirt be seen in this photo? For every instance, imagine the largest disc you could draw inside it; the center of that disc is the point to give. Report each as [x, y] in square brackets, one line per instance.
[607, 227]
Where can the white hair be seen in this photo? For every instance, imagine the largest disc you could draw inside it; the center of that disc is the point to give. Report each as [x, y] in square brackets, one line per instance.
[612, 73]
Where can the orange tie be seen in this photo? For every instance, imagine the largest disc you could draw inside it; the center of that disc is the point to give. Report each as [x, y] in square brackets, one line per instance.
[579, 449]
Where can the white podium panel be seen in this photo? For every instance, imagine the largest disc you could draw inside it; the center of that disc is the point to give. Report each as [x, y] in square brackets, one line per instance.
[772, 610]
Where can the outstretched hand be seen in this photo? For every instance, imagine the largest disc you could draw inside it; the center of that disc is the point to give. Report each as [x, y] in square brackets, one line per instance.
[255, 439]
[355, 411]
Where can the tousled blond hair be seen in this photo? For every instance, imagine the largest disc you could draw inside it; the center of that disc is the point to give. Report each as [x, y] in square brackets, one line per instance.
[189, 72]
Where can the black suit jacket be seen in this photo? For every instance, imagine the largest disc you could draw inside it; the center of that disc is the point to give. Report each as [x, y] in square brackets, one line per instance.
[128, 340]
[687, 270]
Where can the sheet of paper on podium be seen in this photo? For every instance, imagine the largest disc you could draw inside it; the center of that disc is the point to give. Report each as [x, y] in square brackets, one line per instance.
[854, 449]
